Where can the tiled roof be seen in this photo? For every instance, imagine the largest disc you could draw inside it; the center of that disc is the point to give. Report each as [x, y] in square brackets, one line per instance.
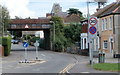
[101, 11]
[72, 19]
[112, 10]
[30, 21]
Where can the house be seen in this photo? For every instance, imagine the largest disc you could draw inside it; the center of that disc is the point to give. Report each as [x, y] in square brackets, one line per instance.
[84, 34]
[73, 18]
[67, 18]
[108, 27]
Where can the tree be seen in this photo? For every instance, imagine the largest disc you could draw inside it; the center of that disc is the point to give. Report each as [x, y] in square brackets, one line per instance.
[5, 18]
[72, 33]
[75, 11]
[60, 40]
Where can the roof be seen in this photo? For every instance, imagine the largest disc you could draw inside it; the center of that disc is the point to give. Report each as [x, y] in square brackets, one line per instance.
[61, 14]
[31, 21]
[105, 10]
[72, 19]
[115, 9]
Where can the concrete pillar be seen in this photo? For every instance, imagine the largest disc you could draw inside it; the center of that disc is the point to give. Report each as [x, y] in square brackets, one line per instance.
[86, 43]
[83, 43]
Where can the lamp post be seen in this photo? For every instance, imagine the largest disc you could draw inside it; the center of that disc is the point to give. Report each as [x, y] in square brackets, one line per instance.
[53, 44]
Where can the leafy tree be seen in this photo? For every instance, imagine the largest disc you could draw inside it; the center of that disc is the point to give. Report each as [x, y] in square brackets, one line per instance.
[5, 18]
[60, 40]
[75, 11]
[65, 35]
[72, 32]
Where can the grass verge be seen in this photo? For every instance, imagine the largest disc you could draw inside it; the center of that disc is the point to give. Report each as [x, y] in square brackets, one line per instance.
[115, 67]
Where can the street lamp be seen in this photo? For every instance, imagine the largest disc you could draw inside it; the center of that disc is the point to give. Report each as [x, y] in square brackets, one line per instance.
[53, 45]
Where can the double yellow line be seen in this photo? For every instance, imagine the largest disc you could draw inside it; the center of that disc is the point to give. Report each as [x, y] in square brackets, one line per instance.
[67, 68]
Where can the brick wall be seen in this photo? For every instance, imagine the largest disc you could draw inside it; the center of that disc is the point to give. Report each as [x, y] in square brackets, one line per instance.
[1, 51]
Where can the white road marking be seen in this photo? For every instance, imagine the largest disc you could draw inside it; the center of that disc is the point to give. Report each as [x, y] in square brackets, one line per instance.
[43, 54]
[85, 72]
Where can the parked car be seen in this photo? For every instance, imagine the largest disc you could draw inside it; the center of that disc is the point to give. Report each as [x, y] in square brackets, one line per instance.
[12, 41]
[16, 42]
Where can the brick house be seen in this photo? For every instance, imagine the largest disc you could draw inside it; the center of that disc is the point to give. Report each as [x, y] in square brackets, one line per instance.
[108, 27]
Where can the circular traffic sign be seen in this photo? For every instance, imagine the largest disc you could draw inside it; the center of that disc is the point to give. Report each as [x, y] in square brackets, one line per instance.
[93, 21]
[92, 30]
[25, 44]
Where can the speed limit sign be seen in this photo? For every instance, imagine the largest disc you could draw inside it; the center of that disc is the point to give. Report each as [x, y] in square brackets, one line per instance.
[93, 21]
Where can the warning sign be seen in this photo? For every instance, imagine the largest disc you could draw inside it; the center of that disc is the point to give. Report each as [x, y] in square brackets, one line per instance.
[26, 26]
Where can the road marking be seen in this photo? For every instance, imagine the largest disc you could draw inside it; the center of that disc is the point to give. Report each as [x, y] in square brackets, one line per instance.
[67, 68]
[43, 54]
[85, 72]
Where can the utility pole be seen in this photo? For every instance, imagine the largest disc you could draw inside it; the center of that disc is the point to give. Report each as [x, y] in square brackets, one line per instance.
[90, 41]
[53, 44]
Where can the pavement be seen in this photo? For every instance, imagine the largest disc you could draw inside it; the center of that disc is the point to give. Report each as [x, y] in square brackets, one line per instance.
[85, 67]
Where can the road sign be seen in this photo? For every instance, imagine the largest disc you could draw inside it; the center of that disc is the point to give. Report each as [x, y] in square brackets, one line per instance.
[92, 30]
[25, 44]
[36, 43]
[26, 26]
[93, 21]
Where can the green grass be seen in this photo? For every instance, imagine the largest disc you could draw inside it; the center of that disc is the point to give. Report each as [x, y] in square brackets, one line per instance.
[107, 66]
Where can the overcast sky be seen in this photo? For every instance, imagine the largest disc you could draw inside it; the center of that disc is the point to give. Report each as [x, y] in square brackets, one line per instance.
[39, 8]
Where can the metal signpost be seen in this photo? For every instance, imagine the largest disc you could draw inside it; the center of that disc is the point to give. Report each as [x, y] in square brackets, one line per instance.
[36, 44]
[92, 34]
[25, 45]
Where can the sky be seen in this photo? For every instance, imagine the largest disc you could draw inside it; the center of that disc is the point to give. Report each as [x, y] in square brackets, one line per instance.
[39, 8]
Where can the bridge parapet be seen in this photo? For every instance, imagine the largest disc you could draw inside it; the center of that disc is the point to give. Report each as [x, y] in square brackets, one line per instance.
[33, 24]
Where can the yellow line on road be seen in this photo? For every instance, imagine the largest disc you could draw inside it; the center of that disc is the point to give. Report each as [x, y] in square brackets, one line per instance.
[67, 68]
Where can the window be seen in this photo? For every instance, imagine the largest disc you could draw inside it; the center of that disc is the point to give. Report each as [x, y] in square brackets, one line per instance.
[110, 23]
[33, 24]
[105, 24]
[102, 24]
[105, 44]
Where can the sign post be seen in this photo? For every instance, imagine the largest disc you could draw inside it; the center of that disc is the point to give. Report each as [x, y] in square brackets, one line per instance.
[36, 44]
[25, 45]
[92, 34]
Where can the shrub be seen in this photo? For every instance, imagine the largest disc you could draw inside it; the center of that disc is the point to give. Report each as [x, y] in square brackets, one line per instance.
[0, 40]
[6, 42]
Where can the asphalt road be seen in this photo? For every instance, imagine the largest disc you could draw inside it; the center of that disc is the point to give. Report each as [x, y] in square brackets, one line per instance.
[51, 62]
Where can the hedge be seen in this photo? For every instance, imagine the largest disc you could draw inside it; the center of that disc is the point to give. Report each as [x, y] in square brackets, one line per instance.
[6, 43]
[0, 40]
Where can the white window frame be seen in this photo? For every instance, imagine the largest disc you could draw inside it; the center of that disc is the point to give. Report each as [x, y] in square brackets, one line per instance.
[105, 42]
[110, 23]
[105, 25]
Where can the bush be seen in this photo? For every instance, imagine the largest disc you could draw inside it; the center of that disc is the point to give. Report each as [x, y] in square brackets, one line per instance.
[0, 40]
[6, 42]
